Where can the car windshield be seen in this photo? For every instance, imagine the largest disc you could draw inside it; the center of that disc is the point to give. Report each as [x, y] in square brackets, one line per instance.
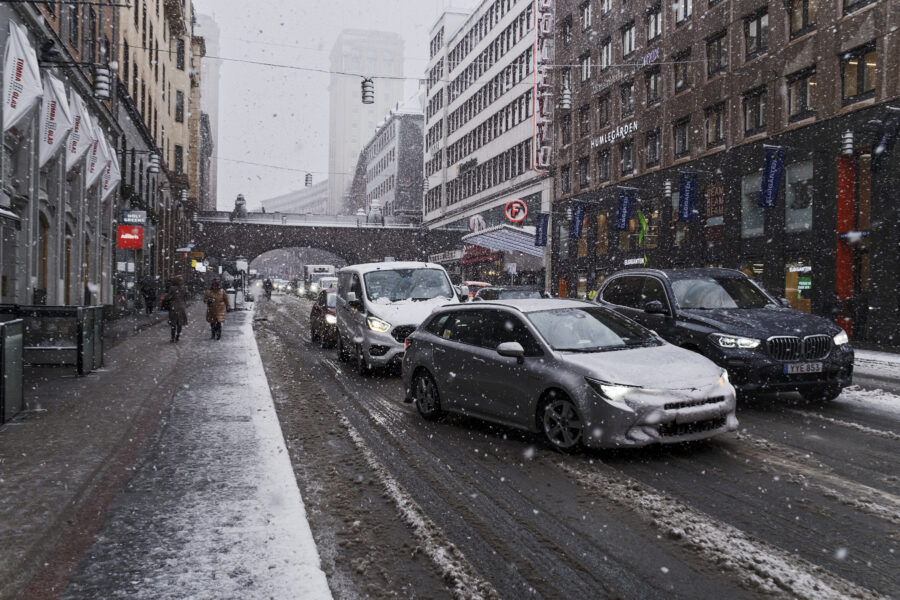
[331, 300]
[710, 293]
[519, 294]
[398, 285]
[589, 329]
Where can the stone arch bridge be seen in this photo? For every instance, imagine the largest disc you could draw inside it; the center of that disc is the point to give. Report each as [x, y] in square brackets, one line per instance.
[218, 235]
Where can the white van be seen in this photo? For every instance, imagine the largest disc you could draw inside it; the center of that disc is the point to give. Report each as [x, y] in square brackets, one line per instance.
[379, 304]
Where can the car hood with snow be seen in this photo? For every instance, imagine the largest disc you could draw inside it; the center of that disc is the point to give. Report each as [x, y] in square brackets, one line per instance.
[406, 312]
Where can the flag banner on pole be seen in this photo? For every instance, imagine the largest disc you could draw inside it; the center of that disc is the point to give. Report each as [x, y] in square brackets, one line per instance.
[771, 177]
[643, 221]
[111, 174]
[542, 226]
[687, 196]
[626, 202]
[82, 136]
[56, 119]
[96, 161]
[577, 222]
[21, 78]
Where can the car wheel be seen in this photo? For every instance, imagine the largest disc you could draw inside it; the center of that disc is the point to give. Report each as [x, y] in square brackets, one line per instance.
[343, 356]
[560, 422]
[821, 394]
[425, 395]
[362, 367]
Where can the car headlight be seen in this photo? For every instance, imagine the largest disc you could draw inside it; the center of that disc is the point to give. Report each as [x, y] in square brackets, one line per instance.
[611, 392]
[735, 341]
[723, 377]
[841, 338]
[330, 319]
[376, 324]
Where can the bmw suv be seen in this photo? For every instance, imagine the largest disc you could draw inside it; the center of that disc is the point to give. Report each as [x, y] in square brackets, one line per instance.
[721, 313]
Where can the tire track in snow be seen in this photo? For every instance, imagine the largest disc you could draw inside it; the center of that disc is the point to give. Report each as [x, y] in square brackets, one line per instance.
[757, 565]
[888, 435]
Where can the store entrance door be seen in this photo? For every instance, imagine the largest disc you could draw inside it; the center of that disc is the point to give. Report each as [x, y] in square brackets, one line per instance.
[853, 227]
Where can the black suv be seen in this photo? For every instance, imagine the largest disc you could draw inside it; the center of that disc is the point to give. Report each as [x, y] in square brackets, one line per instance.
[724, 315]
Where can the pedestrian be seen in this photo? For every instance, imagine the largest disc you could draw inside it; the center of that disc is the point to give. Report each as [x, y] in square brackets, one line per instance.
[148, 291]
[175, 302]
[216, 305]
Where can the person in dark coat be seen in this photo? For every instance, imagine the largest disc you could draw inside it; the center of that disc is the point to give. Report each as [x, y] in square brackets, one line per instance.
[148, 291]
[175, 299]
[216, 301]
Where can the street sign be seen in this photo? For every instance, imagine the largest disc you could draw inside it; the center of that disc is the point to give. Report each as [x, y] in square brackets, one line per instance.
[131, 237]
[134, 217]
[516, 211]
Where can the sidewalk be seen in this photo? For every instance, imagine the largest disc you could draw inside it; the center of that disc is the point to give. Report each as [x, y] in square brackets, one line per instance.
[65, 461]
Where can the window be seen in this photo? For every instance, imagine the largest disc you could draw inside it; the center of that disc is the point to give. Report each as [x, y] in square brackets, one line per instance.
[752, 216]
[584, 12]
[603, 165]
[89, 37]
[626, 149]
[803, 16]
[565, 129]
[858, 74]
[683, 11]
[499, 327]
[682, 67]
[603, 111]
[654, 24]
[756, 33]
[628, 39]
[654, 79]
[565, 31]
[605, 6]
[605, 54]
[179, 106]
[584, 120]
[755, 111]
[801, 94]
[852, 5]
[179, 159]
[585, 61]
[74, 18]
[565, 183]
[584, 177]
[680, 131]
[798, 197]
[652, 147]
[715, 125]
[623, 291]
[716, 54]
[627, 98]
[179, 54]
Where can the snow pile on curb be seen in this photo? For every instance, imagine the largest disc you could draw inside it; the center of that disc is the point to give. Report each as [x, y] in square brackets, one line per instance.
[870, 399]
[758, 566]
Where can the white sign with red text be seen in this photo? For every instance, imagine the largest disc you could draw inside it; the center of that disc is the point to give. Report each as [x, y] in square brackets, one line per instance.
[56, 120]
[21, 78]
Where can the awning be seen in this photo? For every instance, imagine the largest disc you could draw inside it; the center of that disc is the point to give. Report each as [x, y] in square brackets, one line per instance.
[506, 238]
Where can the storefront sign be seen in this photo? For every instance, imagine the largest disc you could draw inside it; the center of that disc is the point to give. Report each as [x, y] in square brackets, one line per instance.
[465, 166]
[614, 134]
[687, 197]
[21, 78]
[515, 211]
[542, 226]
[131, 237]
[804, 283]
[56, 120]
[771, 177]
[446, 257]
[634, 262]
[577, 222]
[626, 202]
[715, 212]
[134, 217]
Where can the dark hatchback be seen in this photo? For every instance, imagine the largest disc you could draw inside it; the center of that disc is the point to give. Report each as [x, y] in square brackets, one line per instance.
[724, 315]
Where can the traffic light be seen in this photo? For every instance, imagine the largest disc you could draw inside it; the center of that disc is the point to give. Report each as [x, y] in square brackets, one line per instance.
[368, 91]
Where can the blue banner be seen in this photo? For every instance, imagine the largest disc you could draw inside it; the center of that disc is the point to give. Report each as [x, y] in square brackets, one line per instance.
[626, 202]
[577, 222]
[771, 177]
[540, 234]
[687, 197]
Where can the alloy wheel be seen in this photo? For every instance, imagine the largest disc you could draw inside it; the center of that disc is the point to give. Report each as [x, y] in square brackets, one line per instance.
[562, 425]
[426, 397]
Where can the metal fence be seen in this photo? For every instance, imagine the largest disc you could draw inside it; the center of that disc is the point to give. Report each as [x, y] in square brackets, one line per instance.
[60, 335]
[12, 399]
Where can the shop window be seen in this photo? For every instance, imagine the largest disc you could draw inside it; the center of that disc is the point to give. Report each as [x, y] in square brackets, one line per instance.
[650, 210]
[682, 66]
[756, 34]
[680, 229]
[582, 244]
[798, 205]
[858, 74]
[801, 94]
[798, 284]
[752, 216]
[803, 16]
[602, 235]
[625, 237]
[755, 111]
[582, 286]
[717, 54]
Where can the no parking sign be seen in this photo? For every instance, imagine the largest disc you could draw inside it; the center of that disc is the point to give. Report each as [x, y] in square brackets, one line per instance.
[516, 211]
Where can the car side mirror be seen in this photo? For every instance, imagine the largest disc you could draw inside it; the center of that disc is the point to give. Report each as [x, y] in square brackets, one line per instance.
[512, 350]
[784, 302]
[655, 307]
[353, 301]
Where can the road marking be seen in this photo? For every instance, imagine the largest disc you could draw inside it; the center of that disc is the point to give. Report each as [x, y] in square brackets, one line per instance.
[759, 566]
[888, 435]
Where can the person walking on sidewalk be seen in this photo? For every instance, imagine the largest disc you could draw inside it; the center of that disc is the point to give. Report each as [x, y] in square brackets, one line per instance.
[216, 306]
[176, 303]
[148, 291]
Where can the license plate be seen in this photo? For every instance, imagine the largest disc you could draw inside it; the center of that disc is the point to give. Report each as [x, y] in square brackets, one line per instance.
[800, 368]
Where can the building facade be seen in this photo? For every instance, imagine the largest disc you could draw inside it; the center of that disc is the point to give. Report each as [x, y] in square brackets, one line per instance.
[210, 77]
[376, 54]
[479, 131]
[312, 199]
[678, 113]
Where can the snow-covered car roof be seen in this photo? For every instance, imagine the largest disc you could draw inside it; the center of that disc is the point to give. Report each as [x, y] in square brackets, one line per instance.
[390, 266]
[525, 305]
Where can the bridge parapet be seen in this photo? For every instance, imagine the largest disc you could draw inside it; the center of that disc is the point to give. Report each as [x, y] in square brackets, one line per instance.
[300, 220]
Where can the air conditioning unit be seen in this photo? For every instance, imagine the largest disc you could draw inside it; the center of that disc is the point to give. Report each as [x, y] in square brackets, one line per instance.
[543, 157]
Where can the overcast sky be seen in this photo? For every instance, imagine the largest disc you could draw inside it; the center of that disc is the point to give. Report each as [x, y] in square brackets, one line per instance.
[279, 116]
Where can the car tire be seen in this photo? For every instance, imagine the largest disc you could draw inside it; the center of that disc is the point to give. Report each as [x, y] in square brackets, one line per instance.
[343, 356]
[559, 421]
[821, 394]
[362, 367]
[426, 396]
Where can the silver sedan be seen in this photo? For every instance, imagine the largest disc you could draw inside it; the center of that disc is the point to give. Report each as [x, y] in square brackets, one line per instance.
[578, 373]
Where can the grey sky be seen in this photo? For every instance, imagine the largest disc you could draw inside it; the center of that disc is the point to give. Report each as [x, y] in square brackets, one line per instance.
[277, 116]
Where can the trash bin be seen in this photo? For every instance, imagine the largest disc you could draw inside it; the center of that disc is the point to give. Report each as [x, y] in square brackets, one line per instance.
[232, 297]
